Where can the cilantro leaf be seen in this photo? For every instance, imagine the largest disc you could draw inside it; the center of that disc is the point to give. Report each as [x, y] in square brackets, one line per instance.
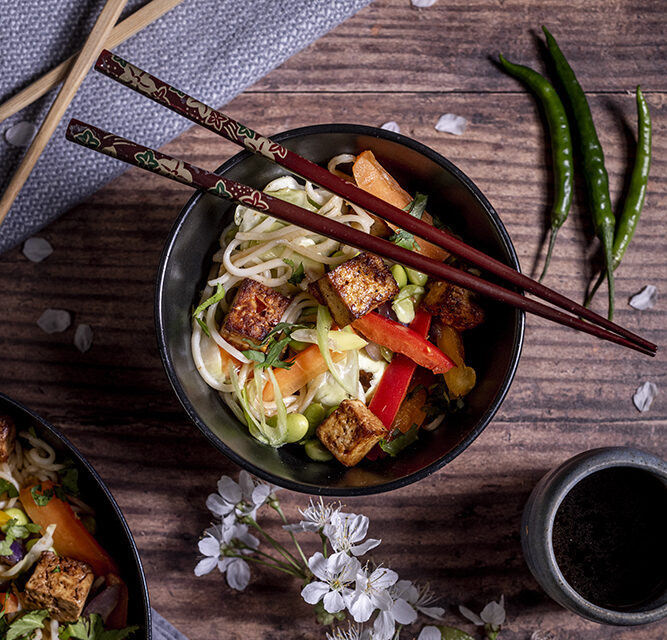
[7, 487]
[404, 239]
[42, 497]
[216, 297]
[69, 479]
[417, 207]
[270, 356]
[298, 273]
[203, 325]
[92, 628]
[24, 627]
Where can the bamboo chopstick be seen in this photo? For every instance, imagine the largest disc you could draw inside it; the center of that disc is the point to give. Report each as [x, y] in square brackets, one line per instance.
[122, 31]
[163, 93]
[95, 41]
[193, 176]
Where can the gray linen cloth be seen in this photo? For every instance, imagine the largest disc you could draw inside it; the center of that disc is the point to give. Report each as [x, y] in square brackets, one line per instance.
[212, 49]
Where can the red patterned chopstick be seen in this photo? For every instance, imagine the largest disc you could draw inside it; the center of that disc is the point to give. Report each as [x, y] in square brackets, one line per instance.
[163, 93]
[191, 175]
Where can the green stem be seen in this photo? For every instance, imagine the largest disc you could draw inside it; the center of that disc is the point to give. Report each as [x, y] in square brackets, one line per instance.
[552, 242]
[324, 544]
[276, 545]
[272, 565]
[596, 286]
[280, 562]
[276, 505]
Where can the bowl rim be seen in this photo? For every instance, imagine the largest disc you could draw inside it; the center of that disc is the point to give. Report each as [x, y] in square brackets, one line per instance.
[519, 321]
[83, 462]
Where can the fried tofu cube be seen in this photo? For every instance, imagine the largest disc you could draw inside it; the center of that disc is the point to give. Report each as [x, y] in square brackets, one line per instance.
[351, 431]
[255, 310]
[355, 288]
[7, 437]
[60, 585]
[454, 305]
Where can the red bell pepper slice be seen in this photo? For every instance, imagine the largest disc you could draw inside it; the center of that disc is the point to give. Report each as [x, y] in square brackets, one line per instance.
[401, 339]
[396, 378]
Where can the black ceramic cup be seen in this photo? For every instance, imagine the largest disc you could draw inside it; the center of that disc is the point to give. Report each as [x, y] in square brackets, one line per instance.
[493, 349]
[593, 535]
[112, 531]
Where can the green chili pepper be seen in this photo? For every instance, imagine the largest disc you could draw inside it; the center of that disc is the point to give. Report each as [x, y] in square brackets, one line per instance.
[634, 200]
[561, 145]
[597, 180]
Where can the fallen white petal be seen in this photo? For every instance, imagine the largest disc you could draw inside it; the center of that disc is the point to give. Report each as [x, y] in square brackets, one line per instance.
[238, 574]
[645, 299]
[422, 4]
[37, 249]
[451, 123]
[644, 396]
[54, 320]
[391, 126]
[472, 616]
[21, 134]
[83, 337]
[430, 633]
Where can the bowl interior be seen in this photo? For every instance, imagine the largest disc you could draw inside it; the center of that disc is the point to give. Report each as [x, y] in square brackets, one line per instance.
[112, 530]
[492, 349]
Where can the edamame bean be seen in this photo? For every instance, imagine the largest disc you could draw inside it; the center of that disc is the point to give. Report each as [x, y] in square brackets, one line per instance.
[315, 450]
[404, 310]
[416, 277]
[400, 275]
[297, 426]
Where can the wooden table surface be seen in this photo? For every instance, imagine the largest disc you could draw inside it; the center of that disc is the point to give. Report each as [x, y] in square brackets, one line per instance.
[459, 528]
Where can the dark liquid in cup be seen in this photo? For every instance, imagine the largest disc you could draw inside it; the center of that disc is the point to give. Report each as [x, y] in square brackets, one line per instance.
[610, 537]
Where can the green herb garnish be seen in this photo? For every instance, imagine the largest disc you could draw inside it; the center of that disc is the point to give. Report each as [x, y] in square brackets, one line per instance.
[92, 628]
[267, 353]
[404, 239]
[216, 297]
[417, 207]
[7, 487]
[298, 273]
[24, 628]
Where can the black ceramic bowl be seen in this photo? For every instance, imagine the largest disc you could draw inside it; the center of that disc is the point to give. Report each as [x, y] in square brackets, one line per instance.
[493, 349]
[113, 533]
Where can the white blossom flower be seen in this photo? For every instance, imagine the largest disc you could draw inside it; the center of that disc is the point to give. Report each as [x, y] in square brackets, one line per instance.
[430, 633]
[385, 623]
[493, 614]
[221, 546]
[336, 575]
[345, 532]
[371, 592]
[239, 499]
[421, 599]
[315, 518]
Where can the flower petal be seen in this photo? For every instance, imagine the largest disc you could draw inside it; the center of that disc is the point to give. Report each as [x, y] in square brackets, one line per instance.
[432, 612]
[430, 633]
[403, 612]
[361, 607]
[209, 546]
[494, 613]
[364, 547]
[312, 593]
[318, 565]
[246, 485]
[383, 627]
[229, 490]
[260, 493]
[383, 578]
[238, 574]
[215, 504]
[205, 565]
[473, 617]
[333, 602]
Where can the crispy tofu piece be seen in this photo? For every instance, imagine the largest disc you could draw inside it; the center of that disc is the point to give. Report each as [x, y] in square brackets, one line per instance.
[355, 288]
[7, 437]
[59, 584]
[255, 310]
[351, 431]
[454, 305]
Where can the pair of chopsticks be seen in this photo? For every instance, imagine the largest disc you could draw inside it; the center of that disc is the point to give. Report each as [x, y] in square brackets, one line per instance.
[72, 71]
[196, 177]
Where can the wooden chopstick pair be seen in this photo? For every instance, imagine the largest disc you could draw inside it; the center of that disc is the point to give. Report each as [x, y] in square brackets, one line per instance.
[186, 173]
[72, 71]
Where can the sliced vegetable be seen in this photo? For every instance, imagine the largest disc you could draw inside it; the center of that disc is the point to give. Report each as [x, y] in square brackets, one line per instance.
[401, 339]
[323, 330]
[460, 379]
[395, 445]
[305, 366]
[8, 602]
[396, 379]
[411, 412]
[70, 538]
[371, 176]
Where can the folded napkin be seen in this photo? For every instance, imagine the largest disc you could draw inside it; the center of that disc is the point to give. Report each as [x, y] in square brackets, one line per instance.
[163, 629]
[212, 49]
